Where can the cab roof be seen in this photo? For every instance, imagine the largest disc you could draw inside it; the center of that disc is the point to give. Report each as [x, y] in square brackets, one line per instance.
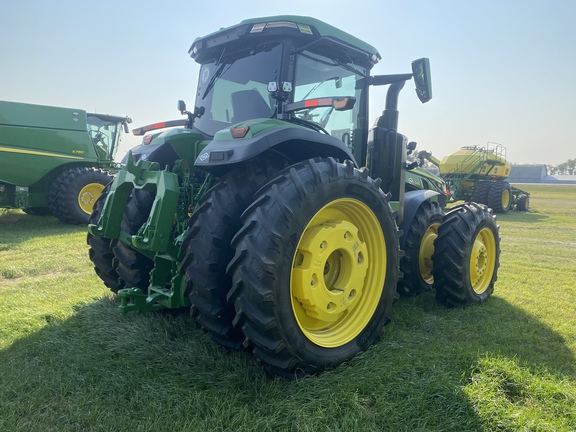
[302, 27]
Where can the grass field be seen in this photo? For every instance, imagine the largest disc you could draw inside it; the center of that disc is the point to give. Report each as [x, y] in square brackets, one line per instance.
[69, 361]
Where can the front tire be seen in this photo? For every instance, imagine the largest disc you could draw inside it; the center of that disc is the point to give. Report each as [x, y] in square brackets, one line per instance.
[416, 265]
[466, 256]
[316, 267]
[73, 193]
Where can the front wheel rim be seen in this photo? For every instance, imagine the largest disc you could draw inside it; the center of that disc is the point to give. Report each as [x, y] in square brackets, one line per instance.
[482, 260]
[88, 196]
[425, 253]
[338, 273]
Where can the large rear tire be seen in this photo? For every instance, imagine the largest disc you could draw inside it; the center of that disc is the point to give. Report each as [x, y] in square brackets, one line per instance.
[316, 267]
[100, 250]
[481, 190]
[466, 256]
[207, 244]
[73, 193]
[500, 197]
[132, 266]
[416, 265]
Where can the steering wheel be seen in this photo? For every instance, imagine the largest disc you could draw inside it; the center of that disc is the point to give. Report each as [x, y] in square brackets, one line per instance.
[98, 137]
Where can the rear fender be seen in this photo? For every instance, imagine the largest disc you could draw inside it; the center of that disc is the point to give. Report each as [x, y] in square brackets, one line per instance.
[163, 153]
[258, 136]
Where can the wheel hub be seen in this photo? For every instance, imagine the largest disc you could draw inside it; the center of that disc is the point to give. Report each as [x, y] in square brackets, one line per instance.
[479, 258]
[88, 196]
[338, 272]
[330, 269]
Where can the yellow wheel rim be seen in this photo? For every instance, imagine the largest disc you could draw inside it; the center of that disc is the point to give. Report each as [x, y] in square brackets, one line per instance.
[482, 260]
[338, 273]
[88, 196]
[426, 252]
[505, 198]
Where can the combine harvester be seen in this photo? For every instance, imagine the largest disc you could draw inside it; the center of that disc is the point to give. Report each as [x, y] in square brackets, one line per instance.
[56, 161]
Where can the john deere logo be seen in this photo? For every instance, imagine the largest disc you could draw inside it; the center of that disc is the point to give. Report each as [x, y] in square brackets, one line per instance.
[205, 75]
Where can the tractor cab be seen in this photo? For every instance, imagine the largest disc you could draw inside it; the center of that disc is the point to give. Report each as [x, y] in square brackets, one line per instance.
[291, 83]
[307, 74]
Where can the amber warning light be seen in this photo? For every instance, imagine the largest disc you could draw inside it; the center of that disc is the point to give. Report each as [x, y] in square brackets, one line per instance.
[239, 132]
[338, 103]
[161, 125]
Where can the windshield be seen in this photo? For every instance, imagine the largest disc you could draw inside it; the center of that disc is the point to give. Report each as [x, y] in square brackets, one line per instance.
[104, 134]
[320, 76]
[235, 88]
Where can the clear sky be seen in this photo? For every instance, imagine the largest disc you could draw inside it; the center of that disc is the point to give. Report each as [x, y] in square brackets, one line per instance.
[503, 70]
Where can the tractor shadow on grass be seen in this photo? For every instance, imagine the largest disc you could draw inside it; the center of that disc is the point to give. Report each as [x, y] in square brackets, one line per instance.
[496, 327]
[451, 356]
[98, 368]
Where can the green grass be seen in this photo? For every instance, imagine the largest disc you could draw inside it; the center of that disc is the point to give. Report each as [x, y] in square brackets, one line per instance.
[69, 361]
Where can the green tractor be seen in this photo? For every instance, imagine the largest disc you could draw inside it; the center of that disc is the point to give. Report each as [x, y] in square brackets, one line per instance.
[56, 161]
[276, 214]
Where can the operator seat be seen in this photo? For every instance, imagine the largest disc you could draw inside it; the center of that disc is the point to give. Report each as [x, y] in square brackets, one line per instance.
[249, 104]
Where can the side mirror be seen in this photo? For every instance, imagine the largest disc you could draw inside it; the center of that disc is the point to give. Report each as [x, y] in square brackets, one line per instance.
[422, 79]
[181, 106]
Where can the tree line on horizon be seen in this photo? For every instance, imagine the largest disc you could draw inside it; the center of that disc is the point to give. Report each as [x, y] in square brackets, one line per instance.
[565, 168]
